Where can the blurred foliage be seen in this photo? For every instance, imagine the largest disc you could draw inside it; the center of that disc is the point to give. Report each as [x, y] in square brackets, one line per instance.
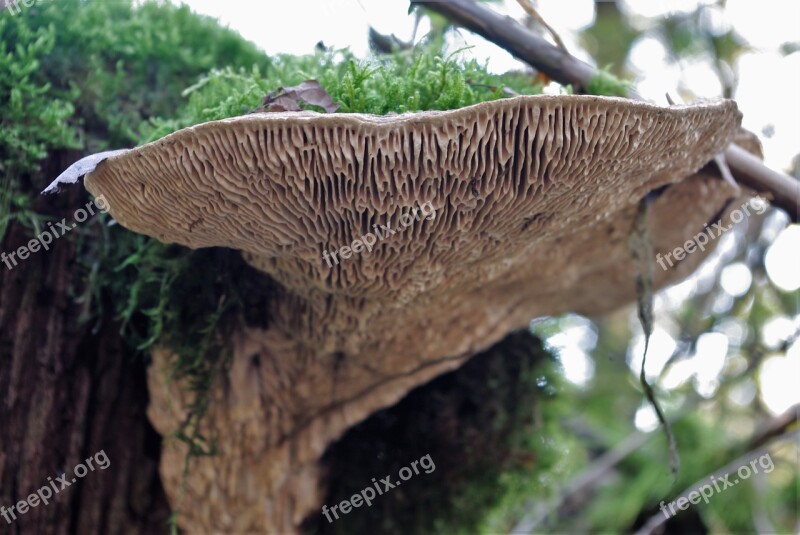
[712, 427]
[692, 35]
[610, 38]
[605, 83]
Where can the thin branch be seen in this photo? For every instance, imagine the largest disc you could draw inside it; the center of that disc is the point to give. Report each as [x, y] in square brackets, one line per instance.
[566, 69]
[775, 427]
[750, 171]
[659, 518]
[532, 13]
[514, 37]
[588, 479]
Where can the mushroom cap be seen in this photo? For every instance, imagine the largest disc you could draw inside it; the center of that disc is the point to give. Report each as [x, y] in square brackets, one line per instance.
[285, 187]
[534, 200]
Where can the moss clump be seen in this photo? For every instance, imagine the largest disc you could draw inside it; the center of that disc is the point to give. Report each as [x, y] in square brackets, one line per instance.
[482, 427]
[397, 83]
[115, 63]
[605, 83]
[83, 75]
[33, 118]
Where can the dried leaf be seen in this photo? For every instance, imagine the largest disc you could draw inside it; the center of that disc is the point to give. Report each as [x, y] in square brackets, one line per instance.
[542, 78]
[289, 98]
[283, 103]
[80, 168]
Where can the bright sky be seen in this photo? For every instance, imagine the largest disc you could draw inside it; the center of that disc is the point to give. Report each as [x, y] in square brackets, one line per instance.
[767, 94]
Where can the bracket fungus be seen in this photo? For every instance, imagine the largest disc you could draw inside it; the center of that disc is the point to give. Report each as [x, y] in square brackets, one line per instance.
[531, 203]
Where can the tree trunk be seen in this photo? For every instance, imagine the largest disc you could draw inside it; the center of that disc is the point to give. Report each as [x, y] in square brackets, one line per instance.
[68, 393]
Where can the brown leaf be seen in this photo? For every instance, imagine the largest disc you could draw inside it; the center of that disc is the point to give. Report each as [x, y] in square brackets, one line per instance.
[289, 98]
[281, 103]
[542, 78]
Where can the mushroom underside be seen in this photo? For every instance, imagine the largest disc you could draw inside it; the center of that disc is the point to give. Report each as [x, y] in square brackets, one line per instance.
[533, 200]
[282, 404]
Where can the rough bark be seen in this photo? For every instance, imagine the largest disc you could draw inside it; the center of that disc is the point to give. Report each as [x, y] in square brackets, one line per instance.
[66, 393]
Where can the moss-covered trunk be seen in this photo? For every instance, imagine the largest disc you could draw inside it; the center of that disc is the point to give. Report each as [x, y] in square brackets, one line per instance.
[69, 390]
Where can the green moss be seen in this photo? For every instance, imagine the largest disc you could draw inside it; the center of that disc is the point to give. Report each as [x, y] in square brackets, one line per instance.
[33, 119]
[605, 83]
[127, 64]
[398, 83]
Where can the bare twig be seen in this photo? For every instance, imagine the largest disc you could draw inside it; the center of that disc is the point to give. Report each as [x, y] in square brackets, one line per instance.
[531, 11]
[659, 518]
[586, 480]
[386, 44]
[750, 171]
[566, 69]
[775, 427]
[514, 37]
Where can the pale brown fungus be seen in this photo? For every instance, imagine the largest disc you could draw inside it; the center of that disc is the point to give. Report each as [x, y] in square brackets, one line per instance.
[533, 199]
